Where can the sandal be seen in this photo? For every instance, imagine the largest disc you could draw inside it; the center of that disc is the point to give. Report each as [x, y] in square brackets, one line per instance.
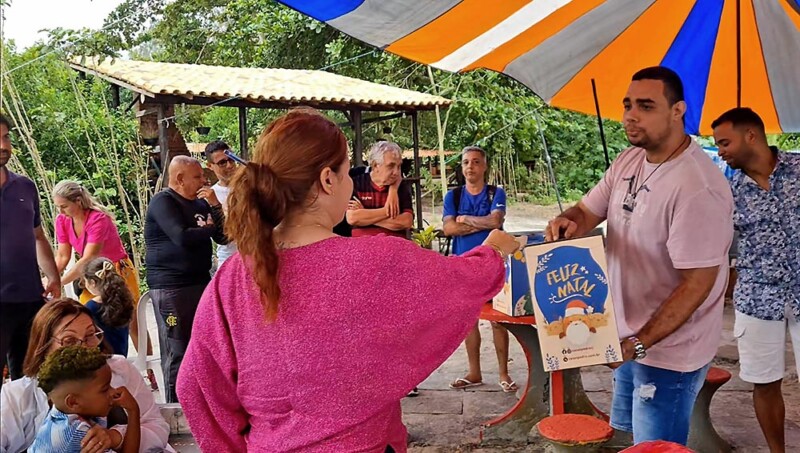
[464, 383]
[508, 387]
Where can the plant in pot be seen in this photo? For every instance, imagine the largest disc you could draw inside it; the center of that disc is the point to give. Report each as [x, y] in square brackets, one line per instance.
[424, 238]
[203, 130]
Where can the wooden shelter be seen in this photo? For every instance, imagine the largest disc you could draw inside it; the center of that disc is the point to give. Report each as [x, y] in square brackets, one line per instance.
[158, 87]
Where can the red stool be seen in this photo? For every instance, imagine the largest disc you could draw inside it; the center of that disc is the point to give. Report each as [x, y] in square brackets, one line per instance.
[657, 446]
[574, 432]
[702, 435]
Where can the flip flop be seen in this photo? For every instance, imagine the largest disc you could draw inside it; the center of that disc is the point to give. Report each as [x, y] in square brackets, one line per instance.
[508, 387]
[463, 383]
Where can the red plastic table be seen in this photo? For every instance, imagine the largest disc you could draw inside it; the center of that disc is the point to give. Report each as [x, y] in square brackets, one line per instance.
[546, 393]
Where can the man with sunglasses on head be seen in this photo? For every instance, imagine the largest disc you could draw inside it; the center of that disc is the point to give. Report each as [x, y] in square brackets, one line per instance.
[224, 168]
[668, 209]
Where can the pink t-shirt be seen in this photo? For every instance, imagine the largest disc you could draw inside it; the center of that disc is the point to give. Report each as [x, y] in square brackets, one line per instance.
[99, 228]
[682, 220]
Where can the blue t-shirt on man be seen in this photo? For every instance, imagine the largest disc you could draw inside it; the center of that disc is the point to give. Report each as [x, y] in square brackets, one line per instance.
[474, 205]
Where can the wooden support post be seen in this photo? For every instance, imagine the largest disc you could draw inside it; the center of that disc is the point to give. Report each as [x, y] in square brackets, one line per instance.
[358, 139]
[243, 133]
[417, 164]
[115, 96]
[163, 143]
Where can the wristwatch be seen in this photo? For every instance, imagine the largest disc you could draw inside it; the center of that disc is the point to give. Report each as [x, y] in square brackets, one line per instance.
[639, 351]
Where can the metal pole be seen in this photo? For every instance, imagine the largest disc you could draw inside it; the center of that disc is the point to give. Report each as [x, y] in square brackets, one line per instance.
[738, 53]
[548, 160]
[163, 143]
[358, 139]
[600, 124]
[243, 133]
[417, 163]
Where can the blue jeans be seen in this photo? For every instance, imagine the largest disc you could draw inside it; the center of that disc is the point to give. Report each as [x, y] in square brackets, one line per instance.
[654, 403]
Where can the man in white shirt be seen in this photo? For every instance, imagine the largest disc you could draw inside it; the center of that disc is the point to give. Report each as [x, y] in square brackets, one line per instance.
[224, 168]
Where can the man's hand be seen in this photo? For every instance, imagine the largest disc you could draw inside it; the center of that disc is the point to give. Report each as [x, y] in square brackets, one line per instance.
[99, 439]
[560, 228]
[460, 219]
[208, 194]
[354, 205]
[392, 205]
[52, 289]
[628, 353]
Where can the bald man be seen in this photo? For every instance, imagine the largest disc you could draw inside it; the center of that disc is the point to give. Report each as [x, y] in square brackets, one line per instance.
[181, 222]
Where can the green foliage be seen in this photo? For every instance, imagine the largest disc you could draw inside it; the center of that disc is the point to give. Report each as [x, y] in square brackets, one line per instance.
[76, 135]
[424, 238]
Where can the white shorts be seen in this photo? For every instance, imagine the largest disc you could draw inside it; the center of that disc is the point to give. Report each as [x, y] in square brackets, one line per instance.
[762, 347]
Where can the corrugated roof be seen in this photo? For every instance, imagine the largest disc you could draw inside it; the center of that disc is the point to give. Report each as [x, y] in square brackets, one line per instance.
[290, 86]
[425, 153]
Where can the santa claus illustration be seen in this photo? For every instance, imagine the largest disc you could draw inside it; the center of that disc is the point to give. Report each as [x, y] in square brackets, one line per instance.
[577, 326]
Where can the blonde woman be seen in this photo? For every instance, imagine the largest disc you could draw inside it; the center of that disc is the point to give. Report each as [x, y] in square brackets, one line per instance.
[87, 227]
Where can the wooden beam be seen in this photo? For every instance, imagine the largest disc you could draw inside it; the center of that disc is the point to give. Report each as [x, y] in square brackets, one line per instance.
[112, 80]
[115, 96]
[417, 163]
[243, 133]
[358, 139]
[375, 119]
[163, 143]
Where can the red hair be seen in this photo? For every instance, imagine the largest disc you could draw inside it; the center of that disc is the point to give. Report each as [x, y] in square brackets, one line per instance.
[286, 165]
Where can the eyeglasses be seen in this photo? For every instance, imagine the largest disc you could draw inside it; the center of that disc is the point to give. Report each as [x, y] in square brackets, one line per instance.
[91, 340]
[225, 162]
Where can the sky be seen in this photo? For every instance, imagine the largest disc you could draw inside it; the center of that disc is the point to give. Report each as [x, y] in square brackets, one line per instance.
[24, 18]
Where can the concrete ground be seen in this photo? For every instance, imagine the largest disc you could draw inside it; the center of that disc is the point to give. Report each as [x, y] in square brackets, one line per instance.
[442, 420]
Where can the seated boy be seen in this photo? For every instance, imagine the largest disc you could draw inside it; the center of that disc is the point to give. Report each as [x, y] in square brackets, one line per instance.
[77, 381]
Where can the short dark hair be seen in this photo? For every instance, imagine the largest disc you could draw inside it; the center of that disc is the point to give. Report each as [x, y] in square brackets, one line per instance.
[740, 116]
[4, 121]
[71, 363]
[213, 147]
[673, 86]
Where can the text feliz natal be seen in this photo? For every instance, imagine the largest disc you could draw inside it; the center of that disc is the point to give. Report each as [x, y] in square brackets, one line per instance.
[570, 280]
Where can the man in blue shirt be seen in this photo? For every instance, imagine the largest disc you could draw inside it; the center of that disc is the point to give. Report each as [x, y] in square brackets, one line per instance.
[23, 250]
[470, 212]
[766, 194]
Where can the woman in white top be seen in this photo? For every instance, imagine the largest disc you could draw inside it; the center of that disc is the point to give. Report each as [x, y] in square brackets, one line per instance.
[23, 405]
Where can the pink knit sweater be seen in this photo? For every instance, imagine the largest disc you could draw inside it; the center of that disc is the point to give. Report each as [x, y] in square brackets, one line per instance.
[361, 322]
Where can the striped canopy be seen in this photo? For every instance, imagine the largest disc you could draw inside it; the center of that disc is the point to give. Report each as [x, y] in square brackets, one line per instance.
[727, 52]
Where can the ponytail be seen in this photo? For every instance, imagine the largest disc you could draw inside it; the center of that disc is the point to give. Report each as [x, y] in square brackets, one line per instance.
[287, 162]
[259, 206]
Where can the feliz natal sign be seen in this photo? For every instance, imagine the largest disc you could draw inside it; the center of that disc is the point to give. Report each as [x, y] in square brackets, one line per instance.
[572, 303]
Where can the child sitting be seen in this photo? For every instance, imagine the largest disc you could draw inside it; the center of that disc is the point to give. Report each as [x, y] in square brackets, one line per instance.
[112, 307]
[77, 381]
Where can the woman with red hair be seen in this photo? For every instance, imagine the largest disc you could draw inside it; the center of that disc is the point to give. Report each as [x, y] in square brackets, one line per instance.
[306, 340]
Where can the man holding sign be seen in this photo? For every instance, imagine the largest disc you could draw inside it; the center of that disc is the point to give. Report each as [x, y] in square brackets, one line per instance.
[669, 229]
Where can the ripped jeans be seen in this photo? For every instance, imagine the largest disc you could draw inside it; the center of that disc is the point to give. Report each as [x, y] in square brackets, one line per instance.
[654, 403]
